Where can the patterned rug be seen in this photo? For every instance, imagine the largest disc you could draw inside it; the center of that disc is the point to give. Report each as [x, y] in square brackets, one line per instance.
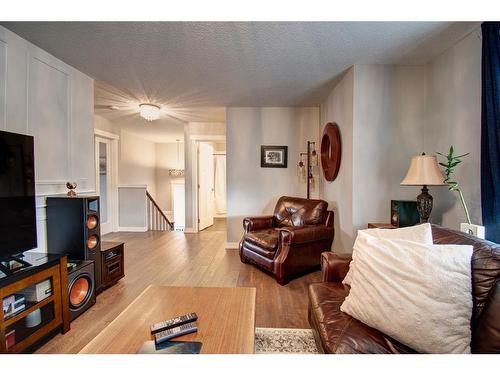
[284, 341]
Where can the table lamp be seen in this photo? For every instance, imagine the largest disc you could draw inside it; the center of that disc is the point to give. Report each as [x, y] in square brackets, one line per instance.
[424, 171]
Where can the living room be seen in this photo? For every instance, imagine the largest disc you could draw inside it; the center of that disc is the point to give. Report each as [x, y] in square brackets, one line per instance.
[235, 169]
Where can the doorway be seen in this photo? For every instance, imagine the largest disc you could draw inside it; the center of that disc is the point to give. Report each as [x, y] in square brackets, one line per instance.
[106, 180]
[211, 177]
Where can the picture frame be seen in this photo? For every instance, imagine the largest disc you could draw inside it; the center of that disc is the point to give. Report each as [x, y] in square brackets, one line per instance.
[273, 156]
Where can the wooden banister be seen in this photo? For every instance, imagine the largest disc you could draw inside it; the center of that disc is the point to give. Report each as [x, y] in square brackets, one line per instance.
[159, 221]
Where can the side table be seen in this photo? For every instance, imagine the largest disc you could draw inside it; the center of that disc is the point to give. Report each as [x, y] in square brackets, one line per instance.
[382, 226]
[112, 262]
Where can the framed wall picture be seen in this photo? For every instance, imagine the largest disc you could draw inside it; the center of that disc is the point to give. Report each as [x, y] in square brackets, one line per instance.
[273, 156]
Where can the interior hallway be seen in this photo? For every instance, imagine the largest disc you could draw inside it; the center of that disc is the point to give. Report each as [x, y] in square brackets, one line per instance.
[175, 258]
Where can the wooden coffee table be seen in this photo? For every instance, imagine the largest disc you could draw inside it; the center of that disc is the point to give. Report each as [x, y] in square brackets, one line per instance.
[226, 319]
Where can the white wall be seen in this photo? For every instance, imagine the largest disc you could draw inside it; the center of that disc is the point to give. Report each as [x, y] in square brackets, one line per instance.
[44, 97]
[453, 106]
[168, 156]
[252, 190]
[104, 124]
[136, 162]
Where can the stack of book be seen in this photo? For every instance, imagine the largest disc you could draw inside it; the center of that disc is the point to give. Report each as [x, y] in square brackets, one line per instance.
[13, 304]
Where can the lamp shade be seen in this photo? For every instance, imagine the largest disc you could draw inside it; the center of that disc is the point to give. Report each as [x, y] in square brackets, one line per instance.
[424, 170]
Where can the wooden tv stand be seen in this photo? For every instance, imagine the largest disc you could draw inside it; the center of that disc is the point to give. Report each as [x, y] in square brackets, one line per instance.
[54, 309]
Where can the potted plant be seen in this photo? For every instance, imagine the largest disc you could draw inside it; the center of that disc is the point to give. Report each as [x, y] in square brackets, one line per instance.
[451, 162]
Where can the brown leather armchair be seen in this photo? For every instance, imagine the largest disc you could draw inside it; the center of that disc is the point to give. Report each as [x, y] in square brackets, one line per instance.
[290, 242]
[337, 332]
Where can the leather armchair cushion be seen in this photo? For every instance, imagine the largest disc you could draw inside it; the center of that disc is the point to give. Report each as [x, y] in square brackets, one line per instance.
[258, 223]
[249, 247]
[305, 234]
[264, 238]
[298, 212]
[337, 332]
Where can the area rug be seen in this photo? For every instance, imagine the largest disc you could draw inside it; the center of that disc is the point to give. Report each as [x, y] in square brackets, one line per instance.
[284, 341]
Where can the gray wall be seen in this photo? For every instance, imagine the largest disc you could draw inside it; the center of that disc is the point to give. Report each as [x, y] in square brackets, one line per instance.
[387, 114]
[453, 103]
[252, 190]
[44, 97]
[132, 213]
[338, 107]
[388, 131]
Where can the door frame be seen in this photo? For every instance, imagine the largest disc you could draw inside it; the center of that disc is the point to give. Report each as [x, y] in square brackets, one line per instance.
[195, 140]
[113, 174]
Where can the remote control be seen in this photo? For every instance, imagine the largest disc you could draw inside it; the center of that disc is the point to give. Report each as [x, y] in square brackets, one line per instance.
[175, 332]
[172, 323]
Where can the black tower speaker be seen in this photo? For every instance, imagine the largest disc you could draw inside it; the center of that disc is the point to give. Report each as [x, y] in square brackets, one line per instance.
[81, 287]
[73, 229]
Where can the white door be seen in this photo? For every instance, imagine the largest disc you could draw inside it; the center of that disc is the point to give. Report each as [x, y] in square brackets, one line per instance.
[103, 182]
[205, 185]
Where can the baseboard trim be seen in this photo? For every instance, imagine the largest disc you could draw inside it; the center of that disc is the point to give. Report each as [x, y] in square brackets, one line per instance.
[132, 229]
[232, 245]
[190, 230]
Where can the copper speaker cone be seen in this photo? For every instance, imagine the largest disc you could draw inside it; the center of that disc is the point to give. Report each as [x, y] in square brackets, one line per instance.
[79, 292]
[92, 241]
[92, 222]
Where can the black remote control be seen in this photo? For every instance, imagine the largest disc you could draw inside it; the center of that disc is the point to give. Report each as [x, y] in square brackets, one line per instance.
[172, 323]
[175, 332]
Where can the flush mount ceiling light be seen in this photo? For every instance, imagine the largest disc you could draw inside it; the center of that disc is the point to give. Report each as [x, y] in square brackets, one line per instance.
[149, 111]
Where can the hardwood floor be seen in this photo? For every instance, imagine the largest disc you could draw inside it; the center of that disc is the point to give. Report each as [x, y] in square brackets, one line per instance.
[175, 258]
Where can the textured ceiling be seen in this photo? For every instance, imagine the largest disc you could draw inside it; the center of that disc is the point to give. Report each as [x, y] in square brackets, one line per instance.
[193, 70]
[181, 65]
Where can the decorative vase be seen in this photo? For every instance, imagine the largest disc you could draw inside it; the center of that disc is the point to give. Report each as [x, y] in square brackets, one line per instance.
[475, 230]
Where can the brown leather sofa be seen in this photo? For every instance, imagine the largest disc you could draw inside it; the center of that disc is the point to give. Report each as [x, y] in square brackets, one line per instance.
[290, 242]
[337, 332]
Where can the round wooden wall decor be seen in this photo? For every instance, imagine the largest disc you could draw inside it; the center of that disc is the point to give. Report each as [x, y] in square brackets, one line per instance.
[331, 151]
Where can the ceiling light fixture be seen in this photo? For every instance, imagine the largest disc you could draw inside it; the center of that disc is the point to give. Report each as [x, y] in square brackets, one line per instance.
[149, 111]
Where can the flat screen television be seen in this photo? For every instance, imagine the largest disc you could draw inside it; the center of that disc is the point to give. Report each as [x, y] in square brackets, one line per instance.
[17, 195]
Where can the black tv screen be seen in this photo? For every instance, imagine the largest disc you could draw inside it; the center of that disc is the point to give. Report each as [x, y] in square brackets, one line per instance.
[17, 194]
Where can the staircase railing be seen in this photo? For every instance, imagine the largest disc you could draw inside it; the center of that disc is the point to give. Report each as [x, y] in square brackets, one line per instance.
[157, 220]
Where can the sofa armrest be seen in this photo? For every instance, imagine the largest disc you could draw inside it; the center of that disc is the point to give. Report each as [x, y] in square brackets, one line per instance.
[334, 266]
[257, 222]
[305, 234]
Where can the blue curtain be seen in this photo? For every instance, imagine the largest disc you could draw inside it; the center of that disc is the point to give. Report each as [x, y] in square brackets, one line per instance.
[490, 130]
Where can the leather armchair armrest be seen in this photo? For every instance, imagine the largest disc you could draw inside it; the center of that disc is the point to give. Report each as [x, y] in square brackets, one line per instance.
[257, 222]
[305, 234]
[334, 266]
